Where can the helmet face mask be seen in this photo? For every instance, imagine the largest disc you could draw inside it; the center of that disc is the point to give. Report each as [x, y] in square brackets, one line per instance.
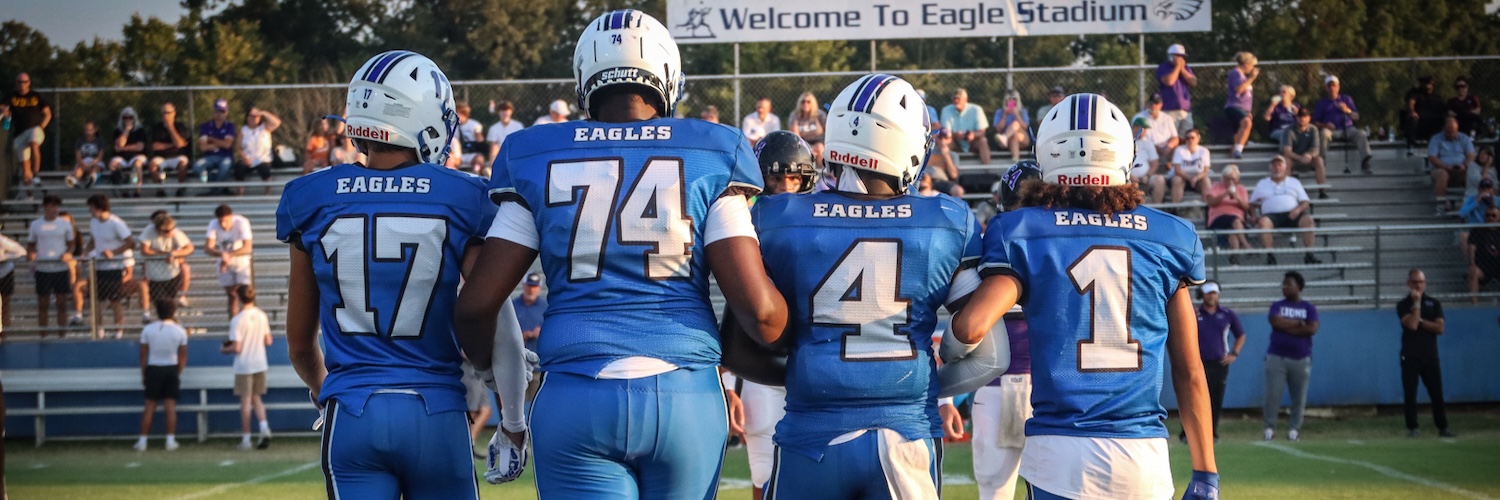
[879, 124]
[1085, 141]
[401, 98]
[627, 47]
[784, 153]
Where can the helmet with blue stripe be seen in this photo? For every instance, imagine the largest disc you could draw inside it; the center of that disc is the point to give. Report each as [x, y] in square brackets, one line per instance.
[401, 98]
[1085, 141]
[880, 124]
[628, 47]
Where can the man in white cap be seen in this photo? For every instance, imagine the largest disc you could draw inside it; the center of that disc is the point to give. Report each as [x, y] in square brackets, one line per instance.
[557, 113]
[1335, 116]
[1175, 78]
[1220, 338]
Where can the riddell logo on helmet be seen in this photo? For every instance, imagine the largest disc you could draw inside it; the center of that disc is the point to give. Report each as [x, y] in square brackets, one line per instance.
[852, 159]
[1083, 180]
[369, 133]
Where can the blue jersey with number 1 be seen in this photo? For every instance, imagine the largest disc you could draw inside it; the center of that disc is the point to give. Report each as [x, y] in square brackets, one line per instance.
[620, 209]
[386, 247]
[1095, 291]
[863, 279]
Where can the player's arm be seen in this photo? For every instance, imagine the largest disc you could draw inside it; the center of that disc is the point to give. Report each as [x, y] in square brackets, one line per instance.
[754, 301]
[502, 263]
[1188, 380]
[1410, 319]
[994, 297]
[302, 322]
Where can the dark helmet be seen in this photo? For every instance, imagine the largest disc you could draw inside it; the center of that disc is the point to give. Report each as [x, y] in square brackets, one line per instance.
[1010, 183]
[785, 153]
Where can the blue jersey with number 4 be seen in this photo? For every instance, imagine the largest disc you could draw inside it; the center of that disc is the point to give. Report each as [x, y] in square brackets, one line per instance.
[863, 281]
[1095, 292]
[386, 248]
[620, 210]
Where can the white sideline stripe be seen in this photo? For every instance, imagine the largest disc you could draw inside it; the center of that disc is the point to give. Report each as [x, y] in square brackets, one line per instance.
[255, 480]
[1383, 470]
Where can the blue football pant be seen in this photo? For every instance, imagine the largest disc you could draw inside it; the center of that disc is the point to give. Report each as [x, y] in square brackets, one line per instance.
[654, 437]
[851, 470]
[396, 450]
[1035, 493]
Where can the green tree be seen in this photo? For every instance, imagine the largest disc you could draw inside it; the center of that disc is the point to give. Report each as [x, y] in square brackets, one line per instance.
[25, 49]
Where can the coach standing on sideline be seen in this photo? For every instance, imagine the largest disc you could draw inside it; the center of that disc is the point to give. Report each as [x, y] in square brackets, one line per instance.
[1421, 324]
[1216, 324]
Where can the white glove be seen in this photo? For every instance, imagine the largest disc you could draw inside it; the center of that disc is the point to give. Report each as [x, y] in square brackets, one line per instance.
[505, 461]
[533, 363]
[317, 424]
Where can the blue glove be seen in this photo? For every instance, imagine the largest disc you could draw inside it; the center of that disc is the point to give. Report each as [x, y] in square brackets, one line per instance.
[1204, 486]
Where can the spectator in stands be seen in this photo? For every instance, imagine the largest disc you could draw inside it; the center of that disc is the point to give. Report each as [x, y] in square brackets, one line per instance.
[817, 153]
[1282, 112]
[471, 133]
[1283, 204]
[1302, 145]
[1176, 80]
[29, 115]
[1423, 113]
[88, 157]
[942, 168]
[965, 121]
[216, 144]
[253, 150]
[932, 113]
[1054, 95]
[556, 113]
[1465, 107]
[1421, 324]
[990, 207]
[1472, 211]
[169, 147]
[49, 240]
[1217, 325]
[502, 129]
[531, 308]
[249, 336]
[1484, 252]
[130, 151]
[1012, 125]
[164, 248]
[710, 114]
[231, 240]
[318, 148]
[1335, 115]
[807, 120]
[1228, 206]
[163, 357]
[1146, 170]
[10, 253]
[1161, 129]
[1289, 358]
[80, 283]
[1449, 154]
[760, 122]
[455, 153]
[924, 188]
[343, 150]
[1240, 99]
[1190, 166]
[110, 244]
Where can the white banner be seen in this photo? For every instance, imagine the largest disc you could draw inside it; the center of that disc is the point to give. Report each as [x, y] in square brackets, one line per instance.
[725, 21]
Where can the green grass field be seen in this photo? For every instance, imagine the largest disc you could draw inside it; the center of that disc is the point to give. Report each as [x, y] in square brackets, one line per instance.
[1356, 458]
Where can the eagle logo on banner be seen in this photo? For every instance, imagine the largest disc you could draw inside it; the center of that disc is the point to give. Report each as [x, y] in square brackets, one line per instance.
[1179, 10]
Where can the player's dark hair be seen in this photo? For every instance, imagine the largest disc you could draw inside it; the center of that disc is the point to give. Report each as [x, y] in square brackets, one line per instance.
[1297, 278]
[371, 147]
[52, 199]
[165, 308]
[246, 294]
[1105, 200]
[99, 201]
[223, 210]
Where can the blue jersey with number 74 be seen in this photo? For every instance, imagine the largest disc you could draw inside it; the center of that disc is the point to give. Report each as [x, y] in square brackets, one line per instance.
[620, 212]
[386, 247]
[1095, 289]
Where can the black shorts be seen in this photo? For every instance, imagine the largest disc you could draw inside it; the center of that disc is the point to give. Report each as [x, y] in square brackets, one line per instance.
[1234, 115]
[162, 382]
[53, 283]
[110, 284]
[1282, 220]
[8, 283]
[165, 289]
[242, 171]
[1223, 222]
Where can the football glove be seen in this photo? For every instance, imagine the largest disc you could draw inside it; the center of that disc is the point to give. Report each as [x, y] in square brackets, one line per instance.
[1204, 486]
[317, 424]
[505, 461]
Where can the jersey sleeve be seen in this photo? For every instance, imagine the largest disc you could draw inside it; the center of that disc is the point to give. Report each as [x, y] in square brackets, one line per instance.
[287, 230]
[502, 186]
[745, 173]
[995, 258]
[1190, 270]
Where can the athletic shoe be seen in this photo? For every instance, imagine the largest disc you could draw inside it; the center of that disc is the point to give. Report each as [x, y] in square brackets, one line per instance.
[1270, 259]
[1447, 434]
[36, 181]
[245, 445]
[182, 301]
[265, 442]
[71, 181]
[1310, 259]
[172, 445]
[1413, 434]
[1292, 435]
[1269, 435]
[1364, 165]
[76, 320]
[145, 318]
[140, 445]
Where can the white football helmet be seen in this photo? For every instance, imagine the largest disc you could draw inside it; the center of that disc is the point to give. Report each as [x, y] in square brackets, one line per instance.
[628, 47]
[1085, 141]
[401, 98]
[879, 123]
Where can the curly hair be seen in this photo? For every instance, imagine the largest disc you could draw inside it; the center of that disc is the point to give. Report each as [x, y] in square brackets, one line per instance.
[1105, 200]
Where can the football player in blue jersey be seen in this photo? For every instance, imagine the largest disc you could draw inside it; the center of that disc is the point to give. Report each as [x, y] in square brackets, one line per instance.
[630, 211]
[376, 253]
[1104, 284]
[865, 268]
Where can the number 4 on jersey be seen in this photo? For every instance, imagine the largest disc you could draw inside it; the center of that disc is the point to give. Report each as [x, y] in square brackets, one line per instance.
[863, 290]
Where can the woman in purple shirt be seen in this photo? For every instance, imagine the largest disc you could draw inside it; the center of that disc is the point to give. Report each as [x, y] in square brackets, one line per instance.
[1282, 112]
[1240, 98]
[1289, 358]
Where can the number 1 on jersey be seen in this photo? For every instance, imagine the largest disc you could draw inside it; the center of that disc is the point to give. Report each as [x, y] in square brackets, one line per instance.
[1103, 274]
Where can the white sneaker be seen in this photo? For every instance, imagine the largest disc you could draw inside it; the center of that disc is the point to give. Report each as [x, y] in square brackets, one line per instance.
[1269, 435]
[71, 181]
[76, 320]
[1291, 435]
[145, 318]
[140, 445]
[172, 445]
[182, 301]
[245, 445]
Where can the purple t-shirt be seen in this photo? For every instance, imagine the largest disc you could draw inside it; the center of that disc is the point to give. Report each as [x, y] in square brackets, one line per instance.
[1283, 116]
[1217, 331]
[1240, 100]
[1020, 349]
[221, 131]
[1327, 111]
[1175, 96]
[1285, 344]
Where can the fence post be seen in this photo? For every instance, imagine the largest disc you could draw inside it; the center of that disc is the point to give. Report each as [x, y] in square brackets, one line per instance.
[1140, 46]
[94, 330]
[56, 137]
[734, 121]
[1375, 296]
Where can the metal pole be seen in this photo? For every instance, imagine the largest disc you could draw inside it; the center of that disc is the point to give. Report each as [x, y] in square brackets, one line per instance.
[872, 56]
[1010, 63]
[57, 139]
[1140, 46]
[733, 120]
[94, 332]
[1375, 295]
[1216, 262]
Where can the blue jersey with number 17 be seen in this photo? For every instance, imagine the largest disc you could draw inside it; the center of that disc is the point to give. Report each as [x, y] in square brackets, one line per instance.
[386, 248]
[620, 210]
[1095, 291]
